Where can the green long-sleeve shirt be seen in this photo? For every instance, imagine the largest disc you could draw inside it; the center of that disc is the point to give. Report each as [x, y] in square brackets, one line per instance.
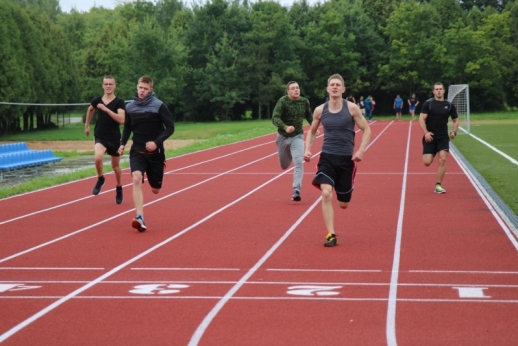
[288, 112]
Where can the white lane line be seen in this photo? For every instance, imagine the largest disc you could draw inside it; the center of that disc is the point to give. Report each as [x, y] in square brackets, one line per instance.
[78, 291]
[328, 270]
[490, 272]
[110, 190]
[335, 299]
[130, 211]
[47, 268]
[73, 294]
[391, 311]
[492, 206]
[513, 161]
[195, 339]
[259, 283]
[189, 269]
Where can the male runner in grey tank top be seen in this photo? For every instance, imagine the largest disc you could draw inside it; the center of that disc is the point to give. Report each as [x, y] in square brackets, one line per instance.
[337, 162]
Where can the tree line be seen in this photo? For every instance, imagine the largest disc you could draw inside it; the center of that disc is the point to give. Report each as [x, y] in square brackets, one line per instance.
[222, 59]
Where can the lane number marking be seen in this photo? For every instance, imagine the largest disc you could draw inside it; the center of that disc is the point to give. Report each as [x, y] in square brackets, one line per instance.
[471, 292]
[158, 289]
[310, 290]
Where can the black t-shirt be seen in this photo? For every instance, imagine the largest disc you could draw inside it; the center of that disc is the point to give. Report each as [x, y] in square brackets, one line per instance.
[106, 127]
[413, 101]
[438, 114]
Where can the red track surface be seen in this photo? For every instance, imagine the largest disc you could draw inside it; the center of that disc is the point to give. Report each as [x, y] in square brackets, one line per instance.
[228, 259]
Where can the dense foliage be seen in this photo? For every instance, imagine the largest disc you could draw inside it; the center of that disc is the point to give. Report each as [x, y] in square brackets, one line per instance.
[218, 59]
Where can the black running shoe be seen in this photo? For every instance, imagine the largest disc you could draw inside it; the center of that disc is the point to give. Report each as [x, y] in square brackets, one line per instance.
[98, 185]
[138, 223]
[296, 196]
[118, 196]
[331, 240]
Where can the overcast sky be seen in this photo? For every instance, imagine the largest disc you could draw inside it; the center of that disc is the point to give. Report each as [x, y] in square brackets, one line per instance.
[85, 5]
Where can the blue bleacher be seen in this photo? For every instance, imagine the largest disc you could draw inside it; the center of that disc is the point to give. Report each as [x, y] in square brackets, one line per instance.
[13, 147]
[15, 156]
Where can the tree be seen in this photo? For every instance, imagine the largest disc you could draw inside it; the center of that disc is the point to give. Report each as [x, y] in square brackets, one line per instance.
[414, 42]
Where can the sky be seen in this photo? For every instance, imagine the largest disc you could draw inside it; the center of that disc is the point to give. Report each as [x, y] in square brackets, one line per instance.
[85, 5]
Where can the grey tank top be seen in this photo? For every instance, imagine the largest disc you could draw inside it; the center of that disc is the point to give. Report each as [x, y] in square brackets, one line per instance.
[338, 131]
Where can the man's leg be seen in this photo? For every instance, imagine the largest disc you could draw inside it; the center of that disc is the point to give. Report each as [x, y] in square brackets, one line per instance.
[283, 150]
[427, 159]
[117, 169]
[138, 201]
[99, 151]
[327, 207]
[118, 177]
[297, 153]
[443, 154]
[138, 197]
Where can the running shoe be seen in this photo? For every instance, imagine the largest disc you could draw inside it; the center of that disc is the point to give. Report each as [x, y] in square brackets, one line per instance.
[296, 196]
[439, 189]
[98, 185]
[331, 240]
[118, 196]
[138, 223]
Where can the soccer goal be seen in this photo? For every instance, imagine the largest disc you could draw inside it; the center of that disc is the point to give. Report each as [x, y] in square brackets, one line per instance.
[458, 94]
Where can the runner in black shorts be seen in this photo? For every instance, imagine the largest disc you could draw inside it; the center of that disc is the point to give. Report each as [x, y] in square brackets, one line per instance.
[337, 171]
[337, 163]
[110, 114]
[151, 123]
[434, 123]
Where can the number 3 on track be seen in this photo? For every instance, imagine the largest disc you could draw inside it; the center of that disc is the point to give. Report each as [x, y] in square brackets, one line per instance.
[310, 290]
[158, 289]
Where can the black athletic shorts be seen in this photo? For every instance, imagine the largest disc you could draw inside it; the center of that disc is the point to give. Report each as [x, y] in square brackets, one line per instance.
[111, 145]
[337, 171]
[151, 164]
[436, 145]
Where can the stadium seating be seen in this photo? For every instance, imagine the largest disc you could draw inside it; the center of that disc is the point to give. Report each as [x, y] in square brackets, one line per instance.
[15, 157]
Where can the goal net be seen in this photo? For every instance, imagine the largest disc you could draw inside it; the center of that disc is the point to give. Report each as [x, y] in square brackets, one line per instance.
[458, 95]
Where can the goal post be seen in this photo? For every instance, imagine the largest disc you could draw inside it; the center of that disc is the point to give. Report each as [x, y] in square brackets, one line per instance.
[458, 95]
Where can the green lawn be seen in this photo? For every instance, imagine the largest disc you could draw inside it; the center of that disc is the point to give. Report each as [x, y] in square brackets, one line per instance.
[498, 171]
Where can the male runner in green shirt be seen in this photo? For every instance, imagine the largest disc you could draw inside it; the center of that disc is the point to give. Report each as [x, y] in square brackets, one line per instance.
[288, 115]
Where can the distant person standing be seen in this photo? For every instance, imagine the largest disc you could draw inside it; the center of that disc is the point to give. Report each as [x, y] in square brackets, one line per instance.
[368, 108]
[288, 116]
[413, 101]
[434, 123]
[351, 98]
[151, 123]
[361, 104]
[107, 134]
[398, 106]
[336, 167]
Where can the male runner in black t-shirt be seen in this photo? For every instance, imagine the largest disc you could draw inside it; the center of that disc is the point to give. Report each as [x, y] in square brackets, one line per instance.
[434, 123]
[107, 135]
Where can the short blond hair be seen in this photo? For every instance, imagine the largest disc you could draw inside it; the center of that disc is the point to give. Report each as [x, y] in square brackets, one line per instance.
[336, 76]
[147, 80]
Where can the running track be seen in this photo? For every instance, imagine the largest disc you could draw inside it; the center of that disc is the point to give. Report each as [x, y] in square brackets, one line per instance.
[228, 259]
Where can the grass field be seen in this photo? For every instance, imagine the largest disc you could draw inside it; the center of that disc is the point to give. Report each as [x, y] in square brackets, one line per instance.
[498, 129]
